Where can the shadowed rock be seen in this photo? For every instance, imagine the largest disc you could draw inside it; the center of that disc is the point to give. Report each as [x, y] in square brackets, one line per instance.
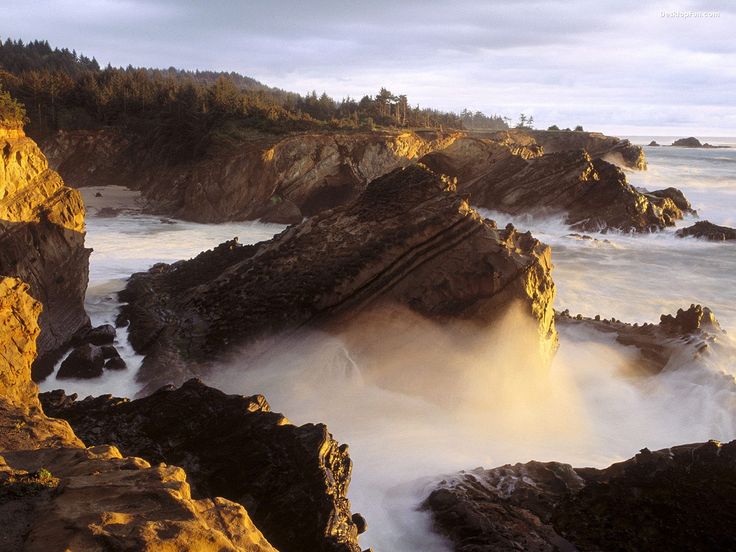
[682, 498]
[409, 240]
[292, 480]
[707, 230]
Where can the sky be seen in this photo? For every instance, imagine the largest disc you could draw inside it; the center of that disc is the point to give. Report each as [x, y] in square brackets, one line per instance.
[623, 67]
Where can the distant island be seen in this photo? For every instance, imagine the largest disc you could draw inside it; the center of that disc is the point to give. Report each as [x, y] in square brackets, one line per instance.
[692, 143]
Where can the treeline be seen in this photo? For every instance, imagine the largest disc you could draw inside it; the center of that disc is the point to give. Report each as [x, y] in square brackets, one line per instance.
[185, 112]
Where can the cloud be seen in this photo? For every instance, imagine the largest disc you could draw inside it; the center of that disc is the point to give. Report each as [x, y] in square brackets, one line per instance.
[604, 65]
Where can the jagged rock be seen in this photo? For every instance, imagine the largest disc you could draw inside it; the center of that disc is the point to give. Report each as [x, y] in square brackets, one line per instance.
[677, 197]
[85, 361]
[681, 498]
[268, 177]
[707, 230]
[693, 330]
[292, 480]
[592, 194]
[57, 495]
[101, 335]
[109, 351]
[694, 143]
[409, 240]
[42, 242]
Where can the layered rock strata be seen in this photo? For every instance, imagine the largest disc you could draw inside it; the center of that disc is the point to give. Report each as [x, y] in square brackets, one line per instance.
[408, 240]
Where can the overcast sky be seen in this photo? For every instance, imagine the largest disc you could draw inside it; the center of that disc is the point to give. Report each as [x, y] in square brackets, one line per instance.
[621, 67]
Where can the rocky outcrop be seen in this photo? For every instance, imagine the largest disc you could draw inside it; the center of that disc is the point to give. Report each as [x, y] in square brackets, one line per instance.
[274, 178]
[591, 194]
[677, 197]
[597, 145]
[42, 242]
[707, 230]
[681, 498]
[689, 332]
[408, 240]
[292, 480]
[57, 495]
[693, 142]
[653, 143]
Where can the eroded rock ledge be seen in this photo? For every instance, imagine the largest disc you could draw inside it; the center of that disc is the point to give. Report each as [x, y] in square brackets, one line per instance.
[690, 332]
[292, 480]
[57, 495]
[707, 230]
[681, 498]
[408, 240]
[42, 241]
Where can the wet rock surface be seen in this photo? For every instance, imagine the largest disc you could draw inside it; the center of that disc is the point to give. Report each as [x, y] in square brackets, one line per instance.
[409, 240]
[681, 498]
[85, 362]
[689, 332]
[292, 480]
[42, 242]
[707, 230]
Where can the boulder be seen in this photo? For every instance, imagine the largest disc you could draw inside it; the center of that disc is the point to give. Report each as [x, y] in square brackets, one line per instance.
[85, 362]
[101, 335]
[688, 143]
[677, 197]
[292, 480]
[42, 242]
[115, 363]
[707, 230]
[408, 241]
[653, 143]
[681, 498]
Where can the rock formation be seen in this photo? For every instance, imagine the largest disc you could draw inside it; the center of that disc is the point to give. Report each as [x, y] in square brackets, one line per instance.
[269, 177]
[693, 142]
[677, 197]
[653, 143]
[681, 498]
[57, 495]
[408, 240]
[708, 231]
[292, 480]
[592, 194]
[690, 331]
[42, 241]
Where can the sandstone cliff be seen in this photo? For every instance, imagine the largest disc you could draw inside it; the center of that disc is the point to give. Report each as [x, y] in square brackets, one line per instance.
[42, 241]
[514, 177]
[681, 498]
[408, 240]
[55, 495]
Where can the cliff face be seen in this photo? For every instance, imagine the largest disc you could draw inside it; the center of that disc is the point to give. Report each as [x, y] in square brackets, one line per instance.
[515, 178]
[42, 241]
[277, 179]
[57, 495]
[409, 240]
[681, 498]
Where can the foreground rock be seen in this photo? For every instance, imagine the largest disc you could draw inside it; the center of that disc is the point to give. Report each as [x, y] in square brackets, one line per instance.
[681, 498]
[292, 480]
[410, 240]
[591, 194]
[690, 332]
[269, 177]
[42, 242]
[57, 495]
[707, 230]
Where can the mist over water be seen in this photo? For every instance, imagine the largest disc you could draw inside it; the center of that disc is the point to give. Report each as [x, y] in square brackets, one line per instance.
[415, 403]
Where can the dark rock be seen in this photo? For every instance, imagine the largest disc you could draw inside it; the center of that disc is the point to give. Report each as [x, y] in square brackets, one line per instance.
[681, 498]
[109, 351]
[708, 231]
[692, 329]
[688, 143]
[108, 212]
[292, 480]
[653, 143]
[100, 335]
[98, 194]
[361, 525]
[115, 363]
[410, 240]
[85, 362]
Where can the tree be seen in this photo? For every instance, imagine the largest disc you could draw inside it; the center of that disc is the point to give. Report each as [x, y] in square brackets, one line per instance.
[12, 113]
[522, 121]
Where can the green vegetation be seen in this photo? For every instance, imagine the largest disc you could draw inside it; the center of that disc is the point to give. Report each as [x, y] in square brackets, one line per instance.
[20, 484]
[525, 122]
[12, 113]
[180, 114]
